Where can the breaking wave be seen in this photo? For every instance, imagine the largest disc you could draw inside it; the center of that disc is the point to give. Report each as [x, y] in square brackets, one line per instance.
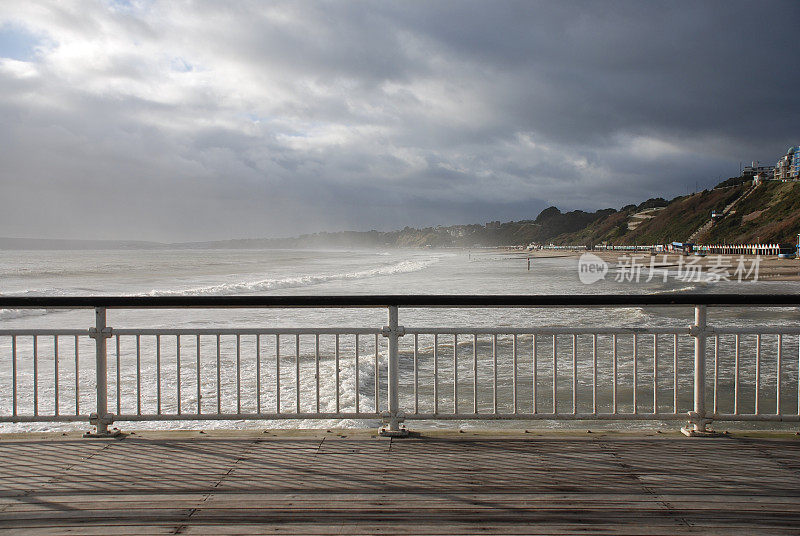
[223, 289]
[299, 281]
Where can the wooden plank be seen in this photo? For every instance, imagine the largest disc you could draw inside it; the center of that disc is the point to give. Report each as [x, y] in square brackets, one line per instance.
[507, 486]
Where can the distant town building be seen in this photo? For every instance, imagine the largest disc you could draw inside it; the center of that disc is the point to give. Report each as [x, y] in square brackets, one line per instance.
[755, 169]
[788, 167]
[794, 169]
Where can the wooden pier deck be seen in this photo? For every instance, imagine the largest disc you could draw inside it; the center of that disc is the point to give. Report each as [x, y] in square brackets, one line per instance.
[343, 482]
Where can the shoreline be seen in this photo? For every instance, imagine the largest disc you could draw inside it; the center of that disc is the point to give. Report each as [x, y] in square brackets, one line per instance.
[771, 267]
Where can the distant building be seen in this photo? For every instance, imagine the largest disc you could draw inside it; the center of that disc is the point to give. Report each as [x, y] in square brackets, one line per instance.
[755, 169]
[794, 166]
[788, 167]
[493, 224]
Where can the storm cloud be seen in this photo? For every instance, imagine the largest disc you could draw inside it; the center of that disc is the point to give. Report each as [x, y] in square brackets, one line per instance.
[209, 120]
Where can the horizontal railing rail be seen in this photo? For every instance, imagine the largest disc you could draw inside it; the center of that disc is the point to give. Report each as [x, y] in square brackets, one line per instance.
[698, 372]
[401, 300]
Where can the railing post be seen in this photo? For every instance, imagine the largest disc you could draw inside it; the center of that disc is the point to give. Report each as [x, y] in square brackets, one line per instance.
[102, 418]
[698, 422]
[393, 418]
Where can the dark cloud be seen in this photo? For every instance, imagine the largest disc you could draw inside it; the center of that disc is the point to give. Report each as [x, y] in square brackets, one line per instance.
[204, 120]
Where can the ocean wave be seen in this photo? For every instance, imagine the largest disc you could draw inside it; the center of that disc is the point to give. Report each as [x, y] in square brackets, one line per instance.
[299, 281]
[687, 288]
[11, 314]
[242, 287]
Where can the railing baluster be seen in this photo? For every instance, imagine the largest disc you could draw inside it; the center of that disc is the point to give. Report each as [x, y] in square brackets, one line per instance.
[258, 374]
[297, 373]
[758, 374]
[158, 374]
[635, 372]
[238, 373]
[138, 376]
[277, 373]
[199, 394]
[475, 374]
[336, 376]
[435, 374]
[614, 375]
[55, 374]
[778, 373]
[356, 374]
[377, 377]
[736, 380]
[535, 351]
[77, 378]
[494, 370]
[594, 374]
[655, 374]
[555, 374]
[316, 368]
[455, 374]
[716, 372]
[514, 366]
[675, 374]
[35, 376]
[13, 375]
[219, 378]
[416, 373]
[178, 370]
[574, 374]
[119, 380]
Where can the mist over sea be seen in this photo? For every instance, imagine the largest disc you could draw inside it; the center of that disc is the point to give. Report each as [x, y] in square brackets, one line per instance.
[287, 272]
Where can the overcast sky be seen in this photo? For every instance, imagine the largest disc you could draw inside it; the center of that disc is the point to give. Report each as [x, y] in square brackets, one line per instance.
[210, 120]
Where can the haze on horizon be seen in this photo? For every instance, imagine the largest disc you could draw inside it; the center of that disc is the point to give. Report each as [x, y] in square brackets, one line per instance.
[201, 120]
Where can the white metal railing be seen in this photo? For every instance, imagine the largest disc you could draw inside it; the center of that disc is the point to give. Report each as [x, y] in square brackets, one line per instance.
[697, 372]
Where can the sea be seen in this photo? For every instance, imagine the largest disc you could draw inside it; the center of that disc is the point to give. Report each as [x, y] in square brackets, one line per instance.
[237, 272]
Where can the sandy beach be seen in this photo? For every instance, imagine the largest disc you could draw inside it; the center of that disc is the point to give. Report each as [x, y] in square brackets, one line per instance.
[770, 268]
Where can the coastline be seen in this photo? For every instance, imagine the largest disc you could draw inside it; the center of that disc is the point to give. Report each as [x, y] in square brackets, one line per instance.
[771, 268]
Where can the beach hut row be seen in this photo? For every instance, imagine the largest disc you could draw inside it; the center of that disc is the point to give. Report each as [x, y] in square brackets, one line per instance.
[687, 248]
[747, 249]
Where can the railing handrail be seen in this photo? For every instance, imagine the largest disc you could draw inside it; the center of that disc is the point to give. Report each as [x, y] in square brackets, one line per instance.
[401, 300]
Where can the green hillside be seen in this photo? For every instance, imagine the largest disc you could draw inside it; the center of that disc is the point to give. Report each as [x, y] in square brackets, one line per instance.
[770, 214]
[675, 222]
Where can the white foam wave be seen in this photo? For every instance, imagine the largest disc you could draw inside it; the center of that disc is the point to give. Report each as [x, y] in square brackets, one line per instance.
[299, 281]
[229, 288]
[11, 314]
[687, 288]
